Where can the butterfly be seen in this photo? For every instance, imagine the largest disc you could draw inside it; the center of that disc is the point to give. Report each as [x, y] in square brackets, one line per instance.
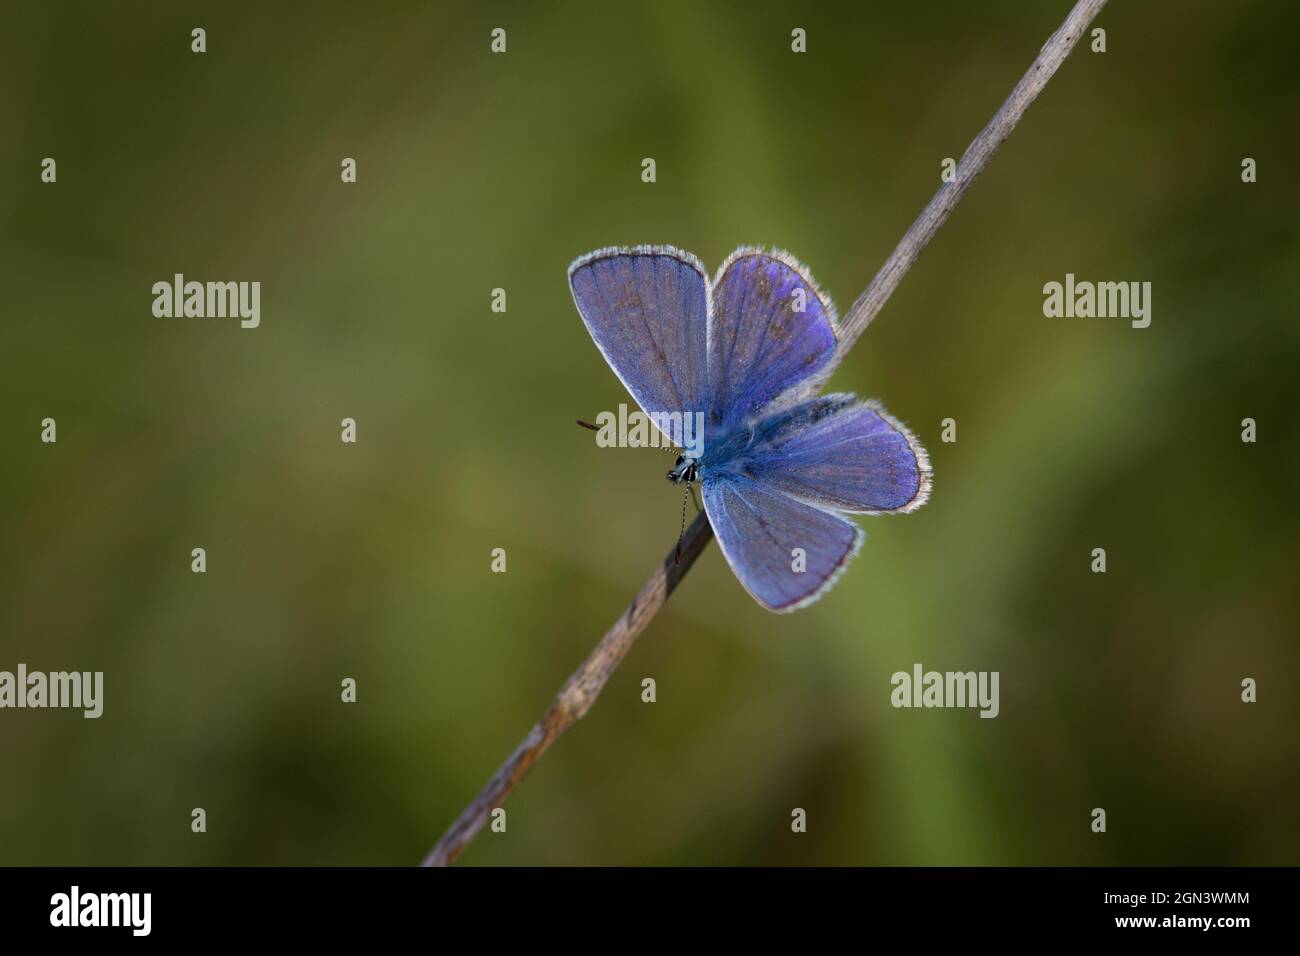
[778, 465]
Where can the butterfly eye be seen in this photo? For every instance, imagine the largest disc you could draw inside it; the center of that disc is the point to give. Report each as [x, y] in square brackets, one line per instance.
[680, 459]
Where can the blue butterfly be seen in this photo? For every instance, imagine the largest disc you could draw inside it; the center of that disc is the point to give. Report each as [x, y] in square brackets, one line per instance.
[747, 353]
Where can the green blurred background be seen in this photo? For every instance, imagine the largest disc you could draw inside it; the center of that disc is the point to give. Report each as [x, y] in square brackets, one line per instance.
[371, 560]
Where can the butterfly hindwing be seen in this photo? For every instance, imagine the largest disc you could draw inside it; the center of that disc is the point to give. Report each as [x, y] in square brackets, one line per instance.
[785, 552]
[837, 452]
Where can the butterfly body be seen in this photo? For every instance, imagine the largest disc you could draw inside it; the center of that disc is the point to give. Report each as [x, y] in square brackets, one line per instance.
[778, 465]
[686, 469]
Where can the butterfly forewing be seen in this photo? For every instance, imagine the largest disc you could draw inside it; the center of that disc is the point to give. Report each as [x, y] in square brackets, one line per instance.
[771, 331]
[647, 310]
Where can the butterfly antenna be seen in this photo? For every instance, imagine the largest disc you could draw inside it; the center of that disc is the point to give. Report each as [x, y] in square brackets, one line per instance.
[587, 425]
[677, 559]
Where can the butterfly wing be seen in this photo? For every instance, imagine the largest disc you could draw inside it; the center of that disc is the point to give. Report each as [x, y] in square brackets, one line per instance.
[785, 552]
[647, 309]
[770, 331]
[837, 452]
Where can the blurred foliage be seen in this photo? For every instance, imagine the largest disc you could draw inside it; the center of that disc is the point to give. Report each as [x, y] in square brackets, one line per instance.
[371, 561]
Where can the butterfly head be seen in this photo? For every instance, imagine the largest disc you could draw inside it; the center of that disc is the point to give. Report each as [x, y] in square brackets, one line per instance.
[686, 469]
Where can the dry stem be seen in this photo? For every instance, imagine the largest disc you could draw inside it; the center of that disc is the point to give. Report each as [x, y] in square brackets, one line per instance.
[586, 683]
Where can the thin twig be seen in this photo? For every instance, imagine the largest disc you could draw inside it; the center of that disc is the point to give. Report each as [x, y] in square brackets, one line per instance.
[586, 683]
[973, 161]
[578, 693]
